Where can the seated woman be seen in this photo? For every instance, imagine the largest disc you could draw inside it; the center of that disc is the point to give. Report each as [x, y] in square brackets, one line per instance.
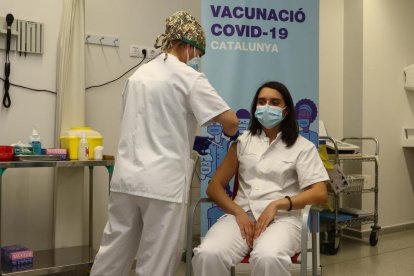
[279, 173]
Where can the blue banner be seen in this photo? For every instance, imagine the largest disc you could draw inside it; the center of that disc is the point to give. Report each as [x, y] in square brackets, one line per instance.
[249, 43]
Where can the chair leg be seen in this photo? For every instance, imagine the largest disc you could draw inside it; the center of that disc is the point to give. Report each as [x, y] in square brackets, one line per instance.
[304, 241]
[314, 243]
[233, 271]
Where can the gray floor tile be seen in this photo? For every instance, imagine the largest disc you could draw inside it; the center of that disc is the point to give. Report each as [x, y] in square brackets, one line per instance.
[393, 256]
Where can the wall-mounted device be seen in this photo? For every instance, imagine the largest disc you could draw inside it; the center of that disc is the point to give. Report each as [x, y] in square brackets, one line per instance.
[6, 97]
[26, 36]
[409, 77]
[408, 137]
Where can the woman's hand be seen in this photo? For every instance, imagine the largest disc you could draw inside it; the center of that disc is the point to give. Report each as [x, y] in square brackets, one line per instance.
[246, 226]
[268, 214]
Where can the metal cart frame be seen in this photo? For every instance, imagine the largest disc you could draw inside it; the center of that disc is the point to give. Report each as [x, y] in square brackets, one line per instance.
[334, 235]
[48, 261]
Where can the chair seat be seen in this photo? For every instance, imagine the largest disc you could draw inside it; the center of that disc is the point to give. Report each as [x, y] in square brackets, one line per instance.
[309, 220]
[294, 259]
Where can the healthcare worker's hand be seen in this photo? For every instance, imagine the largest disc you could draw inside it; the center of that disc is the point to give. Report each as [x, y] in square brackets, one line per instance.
[268, 214]
[201, 144]
[246, 226]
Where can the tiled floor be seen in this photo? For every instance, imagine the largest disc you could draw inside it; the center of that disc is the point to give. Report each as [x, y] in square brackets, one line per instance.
[393, 255]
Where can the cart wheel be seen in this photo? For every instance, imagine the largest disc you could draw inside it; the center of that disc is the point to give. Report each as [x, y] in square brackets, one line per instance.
[334, 240]
[373, 238]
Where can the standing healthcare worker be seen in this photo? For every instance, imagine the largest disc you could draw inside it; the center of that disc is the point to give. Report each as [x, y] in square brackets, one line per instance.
[164, 100]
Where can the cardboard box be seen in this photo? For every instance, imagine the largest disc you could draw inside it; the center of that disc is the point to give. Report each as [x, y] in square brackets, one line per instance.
[16, 252]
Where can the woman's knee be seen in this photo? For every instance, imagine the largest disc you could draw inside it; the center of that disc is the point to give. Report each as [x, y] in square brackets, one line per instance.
[208, 252]
[266, 257]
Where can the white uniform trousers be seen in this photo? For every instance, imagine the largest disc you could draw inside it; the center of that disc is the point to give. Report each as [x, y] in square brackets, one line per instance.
[223, 247]
[149, 229]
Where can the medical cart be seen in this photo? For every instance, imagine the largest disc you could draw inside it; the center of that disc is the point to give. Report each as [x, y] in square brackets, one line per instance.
[57, 259]
[340, 217]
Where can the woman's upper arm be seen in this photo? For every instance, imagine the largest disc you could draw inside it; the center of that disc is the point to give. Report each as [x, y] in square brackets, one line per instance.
[320, 186]
[317, 192]
[228, 167]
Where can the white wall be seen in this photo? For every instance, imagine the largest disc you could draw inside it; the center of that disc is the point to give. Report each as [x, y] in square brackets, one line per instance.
[27, 194]
[387, 107]
[369, 42]
[353, 77]
[384, 107]
[331, 63]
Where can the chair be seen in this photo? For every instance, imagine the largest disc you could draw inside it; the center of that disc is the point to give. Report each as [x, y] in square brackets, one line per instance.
[309, 217]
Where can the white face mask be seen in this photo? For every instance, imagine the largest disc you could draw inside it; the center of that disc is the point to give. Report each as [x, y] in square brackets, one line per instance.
[195, 61]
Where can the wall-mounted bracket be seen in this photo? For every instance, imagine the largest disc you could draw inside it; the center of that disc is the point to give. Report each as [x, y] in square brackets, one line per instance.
[102, 40]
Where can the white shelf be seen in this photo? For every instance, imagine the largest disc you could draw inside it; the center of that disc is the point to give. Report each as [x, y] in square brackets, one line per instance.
[407, 137]
[408, 143]
[409, 78]
[54, 261]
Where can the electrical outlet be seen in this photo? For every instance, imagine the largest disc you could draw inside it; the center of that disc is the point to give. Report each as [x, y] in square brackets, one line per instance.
[153, 52]
[138, 51]
[145, 49]
[134, 51]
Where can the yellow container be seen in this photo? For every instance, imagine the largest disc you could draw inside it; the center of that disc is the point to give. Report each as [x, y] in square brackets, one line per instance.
[70, 141]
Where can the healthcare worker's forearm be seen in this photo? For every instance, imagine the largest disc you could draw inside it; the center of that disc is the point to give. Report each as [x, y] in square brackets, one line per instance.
[229, 121]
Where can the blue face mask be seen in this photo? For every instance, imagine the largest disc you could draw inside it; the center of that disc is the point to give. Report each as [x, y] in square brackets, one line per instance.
[195, 61]
[215, 129]
[303, 122]
[269, 116]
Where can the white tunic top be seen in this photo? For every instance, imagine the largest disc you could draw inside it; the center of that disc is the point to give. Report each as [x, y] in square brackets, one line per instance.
[270, 172]
[163, 102]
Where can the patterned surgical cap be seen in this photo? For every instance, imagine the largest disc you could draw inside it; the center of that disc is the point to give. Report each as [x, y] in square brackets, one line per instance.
[182, 26]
